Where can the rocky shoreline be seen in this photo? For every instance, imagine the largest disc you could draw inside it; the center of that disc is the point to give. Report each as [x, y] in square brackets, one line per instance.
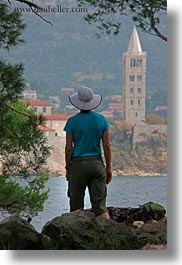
[127, 229]
[140, 173]
[59, 170]
[119, 173]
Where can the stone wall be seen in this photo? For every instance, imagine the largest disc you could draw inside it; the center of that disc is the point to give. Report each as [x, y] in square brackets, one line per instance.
[56, 162]
[58, 126]
[143, 132]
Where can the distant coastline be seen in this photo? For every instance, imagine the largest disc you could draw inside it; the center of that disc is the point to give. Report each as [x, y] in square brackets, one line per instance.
[120, 173]
[139, 173]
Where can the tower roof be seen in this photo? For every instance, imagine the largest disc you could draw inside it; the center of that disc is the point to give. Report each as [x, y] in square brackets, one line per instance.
[134, 44]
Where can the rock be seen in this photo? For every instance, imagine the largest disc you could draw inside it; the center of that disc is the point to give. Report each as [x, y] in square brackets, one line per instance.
[121, 215]
[146, 212]
[18, 234]
[80, 230]
[138, 223]
[154, 247]
[152, 233]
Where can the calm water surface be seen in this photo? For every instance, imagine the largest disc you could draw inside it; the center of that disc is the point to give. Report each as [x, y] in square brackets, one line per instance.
[122, 192]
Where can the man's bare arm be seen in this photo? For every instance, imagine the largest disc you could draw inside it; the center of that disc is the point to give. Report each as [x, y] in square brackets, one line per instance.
[68, 150]
[107, 155]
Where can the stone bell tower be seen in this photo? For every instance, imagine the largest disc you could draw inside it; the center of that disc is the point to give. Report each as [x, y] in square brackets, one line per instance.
[134, 80]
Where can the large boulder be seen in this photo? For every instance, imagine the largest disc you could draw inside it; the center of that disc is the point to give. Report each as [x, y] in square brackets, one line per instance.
[80, 230]
[17, 234]
[154, 233]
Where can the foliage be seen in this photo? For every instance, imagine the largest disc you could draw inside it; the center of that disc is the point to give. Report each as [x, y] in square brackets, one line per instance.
[107, 14]
[23, 147]
[10, 79]
[11, 27]
[27, 199]
[155, 119]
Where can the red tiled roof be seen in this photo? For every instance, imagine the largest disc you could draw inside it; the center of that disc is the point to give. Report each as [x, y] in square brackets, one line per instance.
[117, 97]
[56, 117]
[115, 106]
[67, 89]
[107, 114]
[160, 108]
[44, 128]
[38, 102]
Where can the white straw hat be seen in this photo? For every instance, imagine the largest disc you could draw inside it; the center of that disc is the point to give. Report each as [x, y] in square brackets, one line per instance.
[85, 99]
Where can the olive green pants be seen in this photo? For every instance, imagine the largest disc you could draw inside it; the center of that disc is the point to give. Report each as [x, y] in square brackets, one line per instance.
[87, 172]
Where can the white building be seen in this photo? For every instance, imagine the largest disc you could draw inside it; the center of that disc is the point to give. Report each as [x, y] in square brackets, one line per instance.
[40, 106]
[30, 94]
[57, 122]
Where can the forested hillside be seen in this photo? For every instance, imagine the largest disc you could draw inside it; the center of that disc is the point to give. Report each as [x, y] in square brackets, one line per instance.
[68, 54]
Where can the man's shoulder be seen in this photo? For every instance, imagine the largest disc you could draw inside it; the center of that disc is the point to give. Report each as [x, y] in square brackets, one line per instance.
[73, 117]
[99, 115]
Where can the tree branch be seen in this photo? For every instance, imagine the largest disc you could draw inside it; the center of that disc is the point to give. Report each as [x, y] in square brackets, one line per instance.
[155, 29]
[7, 204]
[34, 7]
[19, 112]
[37, 14]
[30, 4]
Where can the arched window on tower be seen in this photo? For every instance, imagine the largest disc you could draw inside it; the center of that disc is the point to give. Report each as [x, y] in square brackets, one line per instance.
[132, 78]
[133, 63]
[138, 63]
[139, 78]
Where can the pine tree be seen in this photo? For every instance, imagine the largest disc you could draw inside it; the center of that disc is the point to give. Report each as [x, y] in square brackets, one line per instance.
[23, 147]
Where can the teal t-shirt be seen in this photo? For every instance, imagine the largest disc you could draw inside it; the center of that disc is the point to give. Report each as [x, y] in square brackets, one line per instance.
[87, 129]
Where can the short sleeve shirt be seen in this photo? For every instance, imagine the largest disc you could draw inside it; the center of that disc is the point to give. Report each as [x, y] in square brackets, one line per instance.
[87, 129]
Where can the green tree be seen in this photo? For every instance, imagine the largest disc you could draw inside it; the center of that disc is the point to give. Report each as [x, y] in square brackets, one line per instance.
[106, 14]
[155, 119]
[23, 147]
